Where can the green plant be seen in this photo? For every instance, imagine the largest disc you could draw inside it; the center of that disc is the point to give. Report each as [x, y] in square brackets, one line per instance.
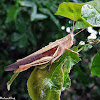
[49, 85]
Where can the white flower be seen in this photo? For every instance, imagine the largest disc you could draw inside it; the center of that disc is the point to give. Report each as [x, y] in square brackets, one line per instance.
[91, 30]
[81, 43]
[68, 29]
[63, 27]
[92, 36]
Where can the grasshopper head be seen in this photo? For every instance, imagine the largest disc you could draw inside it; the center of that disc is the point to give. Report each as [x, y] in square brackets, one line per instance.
[68, 41]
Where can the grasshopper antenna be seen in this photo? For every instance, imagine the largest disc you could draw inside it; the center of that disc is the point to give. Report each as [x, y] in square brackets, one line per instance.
[80, 31]
[73, 26]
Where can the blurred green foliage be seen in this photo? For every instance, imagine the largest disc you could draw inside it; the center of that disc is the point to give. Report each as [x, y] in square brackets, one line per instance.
[24, 29]
[95, 65]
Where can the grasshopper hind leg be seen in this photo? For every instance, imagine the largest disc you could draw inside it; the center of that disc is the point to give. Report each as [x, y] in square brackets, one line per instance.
[56, 55]
[71, 51]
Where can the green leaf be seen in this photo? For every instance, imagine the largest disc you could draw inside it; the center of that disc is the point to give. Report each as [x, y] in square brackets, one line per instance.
[20, 39]
[11, 80]
[35, 16]
[80, 25]
[70, 10]
[67, 81]
[74, 12]
[21, 25]
[15, 37]
[95, 69]
[47, 85]
[70, 60]
[91, 15]
[27, 3]
[23, 42]
[12, 14]
[53, 18]
[85, 47]
[95, 4]
[40, 17]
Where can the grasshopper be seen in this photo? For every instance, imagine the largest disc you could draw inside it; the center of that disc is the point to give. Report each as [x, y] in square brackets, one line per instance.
[47, 54]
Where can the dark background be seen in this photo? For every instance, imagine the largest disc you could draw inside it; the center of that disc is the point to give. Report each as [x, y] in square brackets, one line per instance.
[21, 37]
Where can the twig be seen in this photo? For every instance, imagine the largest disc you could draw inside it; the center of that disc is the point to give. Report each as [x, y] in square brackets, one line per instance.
[94, 43]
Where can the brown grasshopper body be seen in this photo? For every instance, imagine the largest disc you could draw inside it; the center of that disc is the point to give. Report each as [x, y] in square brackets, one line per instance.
[47, 54]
